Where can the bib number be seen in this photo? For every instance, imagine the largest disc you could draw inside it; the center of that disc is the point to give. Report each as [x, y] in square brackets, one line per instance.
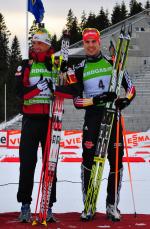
[101, 85]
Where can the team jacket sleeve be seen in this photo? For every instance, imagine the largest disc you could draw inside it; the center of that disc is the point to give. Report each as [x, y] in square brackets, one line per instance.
[19, 75]
[79, 101]
[128, 86]
[82, 103]
[29, 91]
[23, 88]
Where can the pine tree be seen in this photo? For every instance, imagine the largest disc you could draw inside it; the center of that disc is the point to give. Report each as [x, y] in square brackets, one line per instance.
[73, 28]
[124, 11]
[70, 19]
[83, 20]
[14, 61]
[102, 20]
[4, 58]
[55, 44]
[147, 5]
[75, 33]
[116, 15]
[135, 7]
[91, 21]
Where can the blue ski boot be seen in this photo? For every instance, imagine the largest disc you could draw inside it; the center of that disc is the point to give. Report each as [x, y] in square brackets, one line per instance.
[50, 218]
[25, 214]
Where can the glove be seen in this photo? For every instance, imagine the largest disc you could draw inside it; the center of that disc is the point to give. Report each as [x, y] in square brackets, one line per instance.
[104, 98]
[121, 103]
[42, 85]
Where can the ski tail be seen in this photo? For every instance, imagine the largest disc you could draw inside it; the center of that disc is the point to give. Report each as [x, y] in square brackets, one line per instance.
[63, 58]
[65, 43]
[127, 39]
[116, 63]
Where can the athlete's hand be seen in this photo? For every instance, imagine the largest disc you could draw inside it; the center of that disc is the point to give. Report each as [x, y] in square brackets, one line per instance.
[121, 103]
[42, 84]
[104, 98]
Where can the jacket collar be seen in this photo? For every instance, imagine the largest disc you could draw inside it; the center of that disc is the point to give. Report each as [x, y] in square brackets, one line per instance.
[94, 58]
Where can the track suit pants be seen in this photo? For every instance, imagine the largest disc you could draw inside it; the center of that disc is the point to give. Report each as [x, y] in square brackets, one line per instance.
[90, 135]
[34, 131]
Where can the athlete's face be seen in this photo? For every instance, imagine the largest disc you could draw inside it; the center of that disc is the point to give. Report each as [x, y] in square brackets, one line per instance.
[39, 46]
[91, 47]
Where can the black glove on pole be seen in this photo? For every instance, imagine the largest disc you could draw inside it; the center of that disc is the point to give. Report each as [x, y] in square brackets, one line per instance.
[104, 98]
[121, 103]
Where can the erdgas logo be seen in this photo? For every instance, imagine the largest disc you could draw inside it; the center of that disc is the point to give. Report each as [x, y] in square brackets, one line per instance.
[39, 70]
[97, 70]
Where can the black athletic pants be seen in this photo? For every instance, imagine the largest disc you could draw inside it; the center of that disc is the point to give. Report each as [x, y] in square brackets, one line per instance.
[90, 134]
[34, 131]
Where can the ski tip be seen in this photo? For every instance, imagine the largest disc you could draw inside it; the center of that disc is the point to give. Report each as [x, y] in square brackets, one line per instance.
[44, 223]
[122, 31]
[130, 29]
[34, 223]
[60, 58]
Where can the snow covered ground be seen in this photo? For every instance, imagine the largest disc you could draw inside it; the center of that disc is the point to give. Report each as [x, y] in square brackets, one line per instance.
[69, 198]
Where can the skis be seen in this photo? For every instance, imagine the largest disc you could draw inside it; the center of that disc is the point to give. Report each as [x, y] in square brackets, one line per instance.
[106, 123]
[52, 156]
[51, 151]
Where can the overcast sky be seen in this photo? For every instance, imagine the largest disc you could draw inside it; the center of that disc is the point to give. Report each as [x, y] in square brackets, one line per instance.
[14, 12]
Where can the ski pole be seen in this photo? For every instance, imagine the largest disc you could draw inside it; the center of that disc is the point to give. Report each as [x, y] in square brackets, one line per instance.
[47, 145]
[117, 156]
[129, 168]
[42, 175]
[45, 181]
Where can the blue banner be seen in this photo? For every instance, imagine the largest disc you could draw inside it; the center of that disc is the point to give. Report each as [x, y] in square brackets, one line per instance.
[37, 9]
